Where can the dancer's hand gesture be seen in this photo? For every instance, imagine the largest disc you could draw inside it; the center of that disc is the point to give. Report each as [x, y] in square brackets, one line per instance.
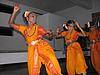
[16, 7]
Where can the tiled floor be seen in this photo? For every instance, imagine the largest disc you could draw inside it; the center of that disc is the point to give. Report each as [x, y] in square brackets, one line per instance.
[21, 69]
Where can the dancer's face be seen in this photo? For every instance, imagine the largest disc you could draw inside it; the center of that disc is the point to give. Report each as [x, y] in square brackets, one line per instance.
[31, 18]
[70, 27]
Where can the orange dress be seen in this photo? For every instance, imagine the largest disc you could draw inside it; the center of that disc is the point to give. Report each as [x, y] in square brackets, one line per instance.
[95, 49]
[75, 61]
[39, 53]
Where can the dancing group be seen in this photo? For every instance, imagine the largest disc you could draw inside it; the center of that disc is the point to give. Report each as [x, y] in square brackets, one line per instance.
[40, 51]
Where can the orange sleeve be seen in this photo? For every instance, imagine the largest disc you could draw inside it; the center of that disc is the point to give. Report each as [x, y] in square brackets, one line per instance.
[41, 30]
[76, 35]
[64, 33]
[98, 34]
[22, 28]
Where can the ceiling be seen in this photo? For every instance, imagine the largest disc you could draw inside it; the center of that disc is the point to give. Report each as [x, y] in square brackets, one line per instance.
[55, 5]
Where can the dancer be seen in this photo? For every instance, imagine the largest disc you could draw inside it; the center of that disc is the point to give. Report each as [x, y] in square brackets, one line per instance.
[75, 61]
[94, 37]
[39, 51]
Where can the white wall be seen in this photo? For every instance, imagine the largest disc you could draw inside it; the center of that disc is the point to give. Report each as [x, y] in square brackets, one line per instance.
[20, 57]
[9, 58]
[76, 13]
[54, 21]
[15, 42]
[96, 6]
[81, 14]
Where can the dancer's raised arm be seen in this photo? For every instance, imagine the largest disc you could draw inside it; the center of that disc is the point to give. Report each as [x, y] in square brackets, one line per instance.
[12, 17]
[77, 24]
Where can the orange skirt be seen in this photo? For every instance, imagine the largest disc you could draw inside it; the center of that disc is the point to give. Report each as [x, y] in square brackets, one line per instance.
[75, 61]
[95, 56]
[42, 53]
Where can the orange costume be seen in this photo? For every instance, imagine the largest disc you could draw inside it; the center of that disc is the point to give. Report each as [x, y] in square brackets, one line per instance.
[75, 61]
[95, 48]
[39, 51]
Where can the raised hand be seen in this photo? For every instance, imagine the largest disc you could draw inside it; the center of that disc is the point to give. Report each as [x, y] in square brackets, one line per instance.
[50, 32]
[76, 23]
[16, 7]
[58, 29]
[12, 17]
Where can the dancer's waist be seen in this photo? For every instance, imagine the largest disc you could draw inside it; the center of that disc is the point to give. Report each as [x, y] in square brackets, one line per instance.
[69, 43]
[34, 42]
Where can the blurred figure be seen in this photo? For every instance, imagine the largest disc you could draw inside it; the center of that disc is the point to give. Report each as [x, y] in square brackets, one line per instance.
[94, 37]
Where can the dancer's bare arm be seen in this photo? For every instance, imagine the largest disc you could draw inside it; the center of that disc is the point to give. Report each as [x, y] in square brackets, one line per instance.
[12, 17]
[77, 24]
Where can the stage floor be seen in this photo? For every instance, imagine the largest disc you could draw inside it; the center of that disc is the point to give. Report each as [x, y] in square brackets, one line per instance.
[21, 68]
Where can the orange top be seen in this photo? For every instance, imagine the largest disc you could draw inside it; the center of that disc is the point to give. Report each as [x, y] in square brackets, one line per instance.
[30, 34]
[73, 36]
[93, 34]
